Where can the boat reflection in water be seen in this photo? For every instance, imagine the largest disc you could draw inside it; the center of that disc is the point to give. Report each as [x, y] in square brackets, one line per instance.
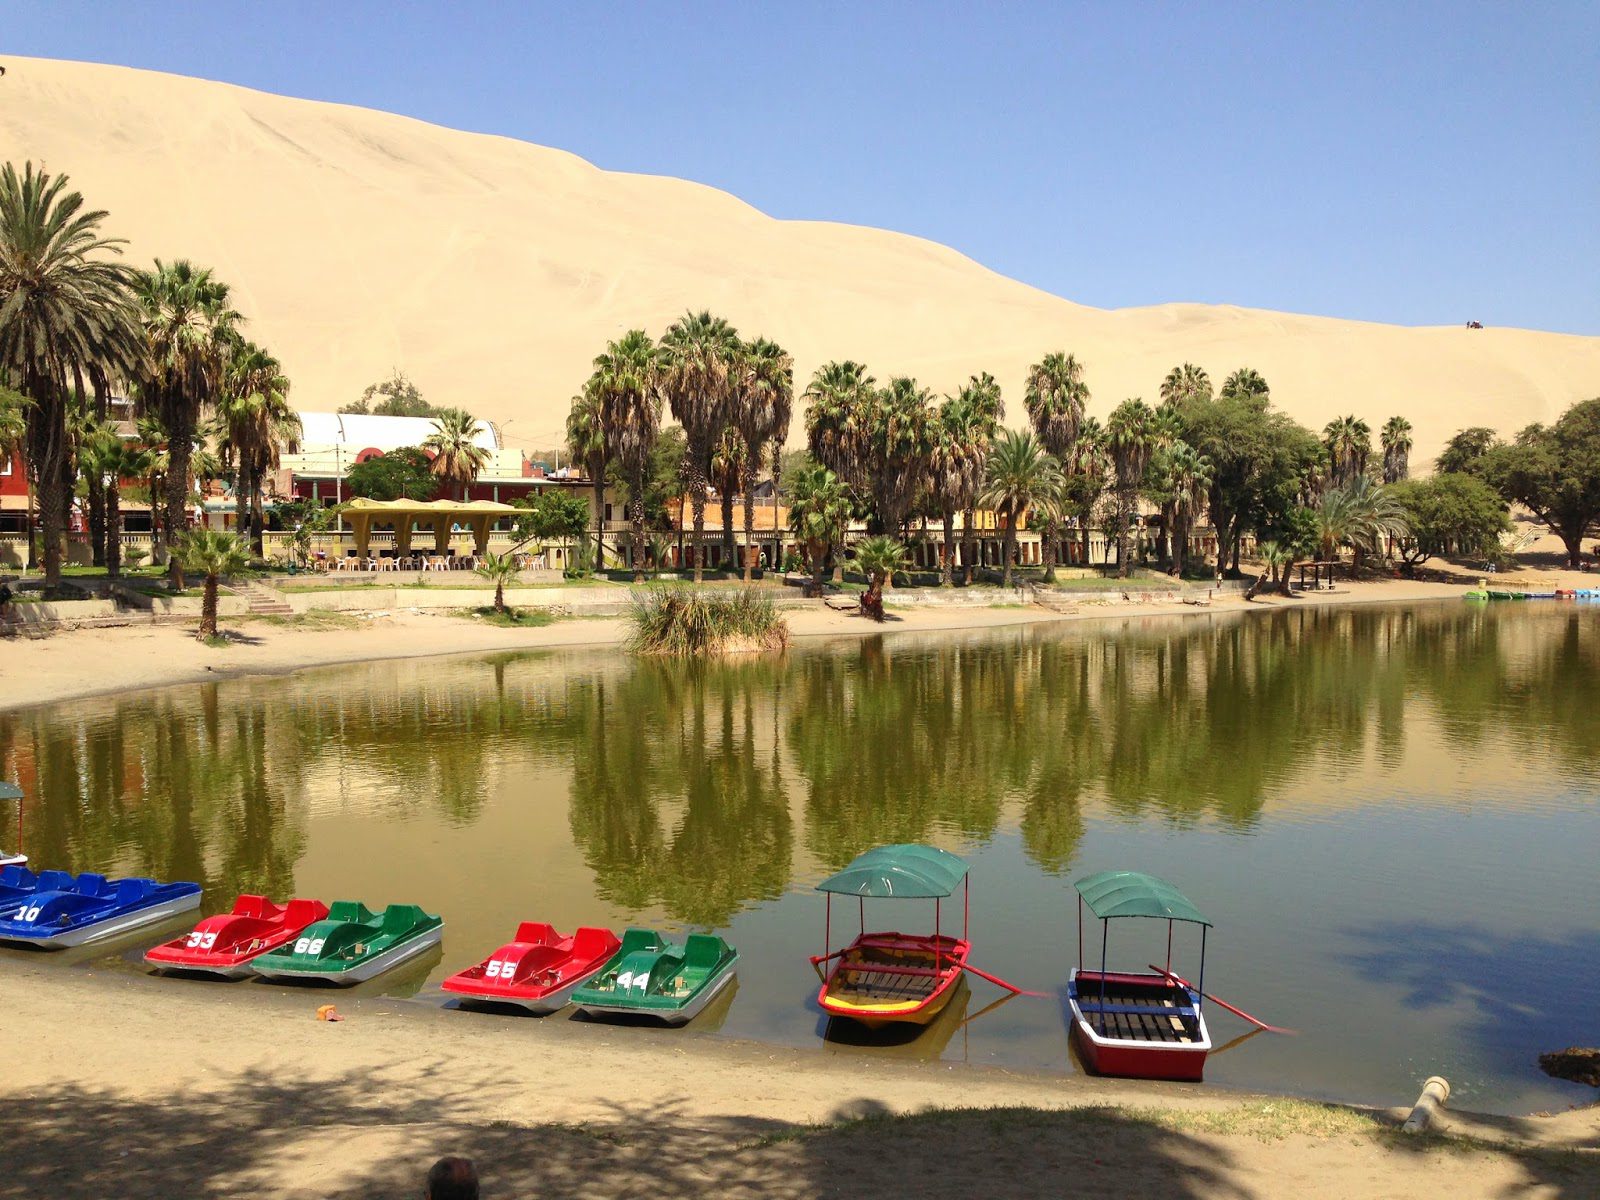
[901, 1039]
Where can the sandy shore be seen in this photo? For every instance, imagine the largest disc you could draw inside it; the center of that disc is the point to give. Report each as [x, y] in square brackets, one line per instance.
[88, 662]
[127, 1085]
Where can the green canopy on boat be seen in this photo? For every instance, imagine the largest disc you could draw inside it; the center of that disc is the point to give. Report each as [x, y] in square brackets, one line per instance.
[1135, 894]
[900, 873]
[9, 791]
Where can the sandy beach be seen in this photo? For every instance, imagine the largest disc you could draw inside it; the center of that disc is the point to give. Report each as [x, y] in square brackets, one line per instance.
[236, 1089]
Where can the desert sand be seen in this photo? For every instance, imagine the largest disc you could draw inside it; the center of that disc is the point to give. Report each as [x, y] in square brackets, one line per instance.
[493, 270]
[203, 1089]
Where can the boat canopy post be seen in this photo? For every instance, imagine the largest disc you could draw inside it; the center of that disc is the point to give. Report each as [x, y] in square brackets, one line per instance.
[938, 903]
[1080, 935]
[1105, 933]
[827, 926]
[966, 908]
[862, 900]
[1169, 946]
[1200, 998]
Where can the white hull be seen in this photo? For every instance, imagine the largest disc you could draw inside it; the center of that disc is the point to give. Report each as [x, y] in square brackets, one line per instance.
[12, 860]
[676, 1016]
[238, 972]
[370, 969]
[1201, 1047]
[126, 923]
[551, 1002]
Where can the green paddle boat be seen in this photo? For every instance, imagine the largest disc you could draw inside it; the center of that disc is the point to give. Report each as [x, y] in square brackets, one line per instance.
[650, 976]
[353, 944]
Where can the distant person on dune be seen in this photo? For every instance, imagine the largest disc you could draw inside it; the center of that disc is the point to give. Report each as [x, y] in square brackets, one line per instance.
[452, 1179]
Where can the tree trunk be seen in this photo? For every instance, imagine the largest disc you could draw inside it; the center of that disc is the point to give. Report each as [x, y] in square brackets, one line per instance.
[180, 445]
[697, 501]
[241, 501]
[750, 521]
[969, 544]
[600, 521]
[1085, 533]
[1574, 545]
[777, 500]
[28, 560]
[636, 514]
[1123, 508]
[1180, 544]
[52, 520]
[258, 515]
[1007, 546]
[499, 596]
[1048, 533]
[725, 499]
[208, 609]
[946, 568]
[113, 533]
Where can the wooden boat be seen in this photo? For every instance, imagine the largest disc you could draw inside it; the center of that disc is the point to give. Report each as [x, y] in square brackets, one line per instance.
[62, 911]
[537, 970]
[884, 977]
[1135, 1024]
[353, 944]
[10, 791]
[651, 977]
[225, 944]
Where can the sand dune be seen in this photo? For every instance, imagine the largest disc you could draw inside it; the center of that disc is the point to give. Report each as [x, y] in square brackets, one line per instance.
[492, 270]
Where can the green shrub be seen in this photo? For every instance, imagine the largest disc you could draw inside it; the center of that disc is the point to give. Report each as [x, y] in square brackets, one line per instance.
[680, 622]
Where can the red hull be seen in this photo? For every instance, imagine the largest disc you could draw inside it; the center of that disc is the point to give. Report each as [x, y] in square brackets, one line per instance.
[913, 948]
[1136, 1057]
[226, 943]
[1134, 1062]
[538, 969]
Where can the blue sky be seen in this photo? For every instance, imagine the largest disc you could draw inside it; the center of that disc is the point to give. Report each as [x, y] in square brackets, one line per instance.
[1422, 163]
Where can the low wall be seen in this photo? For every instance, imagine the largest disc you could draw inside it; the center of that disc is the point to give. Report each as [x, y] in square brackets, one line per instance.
[594, 601]
[46, 612]
[180, 606]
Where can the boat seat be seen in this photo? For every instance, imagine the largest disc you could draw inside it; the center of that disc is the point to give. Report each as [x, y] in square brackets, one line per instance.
[589, 942]
[703, 951]
[130, 891]
[537, 933]
[398, 918]
[349, 910]
[1112, 1010]
[640, 939]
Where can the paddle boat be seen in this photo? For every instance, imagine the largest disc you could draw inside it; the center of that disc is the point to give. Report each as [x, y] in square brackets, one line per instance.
[353, 944]
[1131, 1023]
[16, 881]
[225, 944]
[62, 911]
[649, 976]
[537, 970]
[10, 791]
[885, 977]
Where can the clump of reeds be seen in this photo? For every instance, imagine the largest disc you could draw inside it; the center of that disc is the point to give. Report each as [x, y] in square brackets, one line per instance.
[681, 622]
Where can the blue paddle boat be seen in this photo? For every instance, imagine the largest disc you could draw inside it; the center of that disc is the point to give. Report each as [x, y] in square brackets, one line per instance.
[61, 912]
[17, 881]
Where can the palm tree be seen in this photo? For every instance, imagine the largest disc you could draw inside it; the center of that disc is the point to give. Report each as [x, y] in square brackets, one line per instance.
[627, 384]
[1396, 440]
[878, 558]
[957, 459]
[457, 457]
[1055, 399]
[730, 463]
[838, 419]
[1186, 479]
[13, 446]
[586, 442]
[114, 459]
[190, 330]
[1130, 440]
[1363, 515]
[256, 425]
[212, 553]
[897, 457]
[64, 307]
[1184, 385]
[1086, 475]
[499, 569]
[1245, 383]
[819, 509]
[984, 407]
[1349, 444]
[763, 395]
[1020, 473]
[700, 352]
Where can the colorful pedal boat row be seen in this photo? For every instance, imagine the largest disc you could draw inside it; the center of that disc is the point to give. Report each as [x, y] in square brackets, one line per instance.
[1481, 593]
[55, 910]
[344, 943]
[642, 974]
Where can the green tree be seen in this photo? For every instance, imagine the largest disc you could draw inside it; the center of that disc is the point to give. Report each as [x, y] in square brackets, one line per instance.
[405, 473]
[897, 450]
[700, 352]
[256, 425]
[762, 398]
[878, 558]
[212, 553]
[1130, 440]
[498, 569]
[627, 386]
[1183, 477]
[64, 308]
[1348, 441]
[837, 419]
[1185, 384]
[457, 457]
[554, 513]
[1055, 397]
[1449, 514]
[114, 459]
[957, 464]
[1021, 473]
[586, 442]
[190, 330]
[396, 396]
[1397, 442]
[730, 463]
[982, 408]
[819, 510]
[1463, 453]
[1554, 472]
[1245, 383]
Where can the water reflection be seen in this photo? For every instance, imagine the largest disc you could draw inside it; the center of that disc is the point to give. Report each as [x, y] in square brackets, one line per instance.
[688, 786]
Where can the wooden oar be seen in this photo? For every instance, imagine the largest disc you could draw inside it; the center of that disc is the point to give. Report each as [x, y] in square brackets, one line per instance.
[1238, 1012]
[995, 979]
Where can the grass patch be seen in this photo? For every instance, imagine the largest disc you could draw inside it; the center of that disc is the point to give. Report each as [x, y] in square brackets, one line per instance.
[317, 618]
[512, 618]
[218, 641]
[679, 623]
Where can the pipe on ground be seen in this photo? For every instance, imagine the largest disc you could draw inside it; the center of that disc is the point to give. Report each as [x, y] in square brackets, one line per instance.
[1434, 1093]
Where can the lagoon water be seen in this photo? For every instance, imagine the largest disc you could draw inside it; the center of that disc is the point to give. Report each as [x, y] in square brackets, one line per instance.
[1390, 815]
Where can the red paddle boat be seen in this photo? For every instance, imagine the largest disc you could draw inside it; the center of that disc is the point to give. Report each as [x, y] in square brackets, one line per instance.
[226, 943]
[538, 970]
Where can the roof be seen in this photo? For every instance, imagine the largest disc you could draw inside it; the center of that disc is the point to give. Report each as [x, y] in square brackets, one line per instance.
[361, 430]
[452, 507]
[903, 872]
[1135, 894]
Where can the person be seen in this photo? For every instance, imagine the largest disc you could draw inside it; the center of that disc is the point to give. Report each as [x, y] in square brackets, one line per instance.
[452, 1178]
